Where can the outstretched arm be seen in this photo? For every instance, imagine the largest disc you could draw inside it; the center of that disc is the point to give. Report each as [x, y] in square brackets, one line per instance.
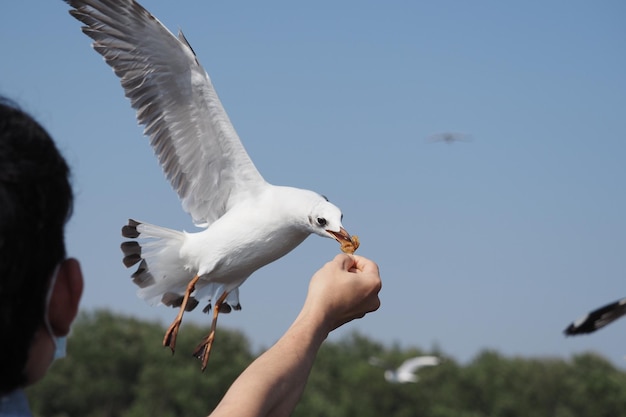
[343, 290]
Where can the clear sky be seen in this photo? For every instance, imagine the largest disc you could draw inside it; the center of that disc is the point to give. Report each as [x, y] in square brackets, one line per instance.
[498, 242]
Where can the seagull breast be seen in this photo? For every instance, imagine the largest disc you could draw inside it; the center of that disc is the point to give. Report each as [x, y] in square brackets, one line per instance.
[254, 233]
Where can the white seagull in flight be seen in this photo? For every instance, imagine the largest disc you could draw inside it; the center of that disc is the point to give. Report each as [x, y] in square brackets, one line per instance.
[248, 223]
[406, 371]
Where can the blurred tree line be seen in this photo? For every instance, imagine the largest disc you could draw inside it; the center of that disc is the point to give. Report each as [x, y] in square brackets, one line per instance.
[116, 367]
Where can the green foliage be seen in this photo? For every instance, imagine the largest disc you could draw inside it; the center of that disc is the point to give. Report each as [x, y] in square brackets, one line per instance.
[116, 366]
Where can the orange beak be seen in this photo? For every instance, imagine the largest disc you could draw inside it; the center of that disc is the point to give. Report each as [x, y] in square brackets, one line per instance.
[340, 236]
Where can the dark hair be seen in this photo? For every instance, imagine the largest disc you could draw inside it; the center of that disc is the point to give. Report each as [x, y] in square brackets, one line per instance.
[35, 203]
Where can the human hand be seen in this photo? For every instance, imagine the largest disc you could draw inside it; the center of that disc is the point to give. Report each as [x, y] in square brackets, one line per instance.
[344, 289]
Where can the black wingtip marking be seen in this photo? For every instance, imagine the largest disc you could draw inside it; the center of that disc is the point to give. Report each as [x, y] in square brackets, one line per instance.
[172, 299]
[142, 277]
[130, 230]
[132, 253]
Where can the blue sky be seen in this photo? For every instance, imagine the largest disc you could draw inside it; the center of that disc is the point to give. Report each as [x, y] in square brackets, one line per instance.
[499, 242]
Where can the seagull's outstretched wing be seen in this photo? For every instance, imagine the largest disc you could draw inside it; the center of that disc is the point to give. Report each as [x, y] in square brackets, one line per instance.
[411, 365]
[597, 318]
[189, 130]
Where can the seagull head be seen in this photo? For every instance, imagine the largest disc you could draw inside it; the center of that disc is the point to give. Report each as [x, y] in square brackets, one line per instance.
[312, 212]
[325, 220]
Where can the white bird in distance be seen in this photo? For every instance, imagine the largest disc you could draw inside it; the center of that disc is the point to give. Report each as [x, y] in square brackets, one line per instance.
[248, 223]
[406, 372]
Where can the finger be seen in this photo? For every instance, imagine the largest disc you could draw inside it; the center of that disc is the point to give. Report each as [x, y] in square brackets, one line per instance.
[365, 265]
[346, 261]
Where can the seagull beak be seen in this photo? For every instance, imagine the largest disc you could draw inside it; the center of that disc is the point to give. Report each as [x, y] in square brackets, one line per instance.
[341, 236]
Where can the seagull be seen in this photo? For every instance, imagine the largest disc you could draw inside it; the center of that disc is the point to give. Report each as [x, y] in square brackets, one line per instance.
[597, 319]
[246, 222]
[449, 137]
[406, 372]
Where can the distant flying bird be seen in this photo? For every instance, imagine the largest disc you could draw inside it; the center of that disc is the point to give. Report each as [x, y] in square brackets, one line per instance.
[248, 223]
[449, 137]
[406, 372]
[598, 318]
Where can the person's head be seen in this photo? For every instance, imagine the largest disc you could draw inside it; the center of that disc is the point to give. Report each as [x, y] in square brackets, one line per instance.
[36, 200]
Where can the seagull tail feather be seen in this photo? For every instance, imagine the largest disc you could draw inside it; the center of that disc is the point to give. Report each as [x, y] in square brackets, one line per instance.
[159, 275]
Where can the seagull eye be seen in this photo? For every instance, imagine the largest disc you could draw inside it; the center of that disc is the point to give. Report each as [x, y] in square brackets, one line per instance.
[321, 221]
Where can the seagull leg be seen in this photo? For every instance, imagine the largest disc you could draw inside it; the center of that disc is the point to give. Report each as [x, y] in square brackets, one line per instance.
[203, 350]
[170, 335]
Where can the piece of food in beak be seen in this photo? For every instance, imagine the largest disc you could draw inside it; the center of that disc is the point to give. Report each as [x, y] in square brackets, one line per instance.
[349, 244]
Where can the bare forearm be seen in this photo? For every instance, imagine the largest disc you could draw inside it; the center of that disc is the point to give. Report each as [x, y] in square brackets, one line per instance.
[343, 290]
[274, 382]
